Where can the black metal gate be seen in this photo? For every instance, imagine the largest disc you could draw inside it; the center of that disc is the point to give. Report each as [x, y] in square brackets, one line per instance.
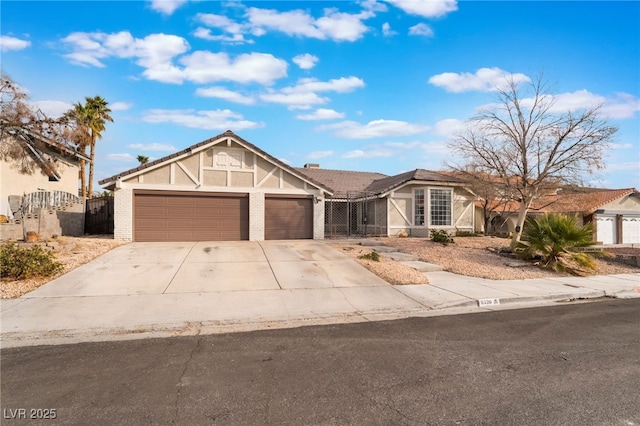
[98, 217]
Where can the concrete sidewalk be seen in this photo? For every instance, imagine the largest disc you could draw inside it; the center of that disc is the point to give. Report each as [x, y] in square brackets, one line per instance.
[168, 289]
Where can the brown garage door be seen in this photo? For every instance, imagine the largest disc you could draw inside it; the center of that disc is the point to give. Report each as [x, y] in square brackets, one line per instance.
[288, 218]
[190, 216]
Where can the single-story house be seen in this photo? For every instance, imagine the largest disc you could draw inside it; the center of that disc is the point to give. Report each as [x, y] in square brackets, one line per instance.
[46, 169]
[223, 188]
[615, 213]
[226, 188]
[414, 202]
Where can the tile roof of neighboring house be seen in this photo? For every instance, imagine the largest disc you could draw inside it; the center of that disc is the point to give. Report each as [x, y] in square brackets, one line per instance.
[573, 200]
[342, 182]
[346, 182]
[226, 134]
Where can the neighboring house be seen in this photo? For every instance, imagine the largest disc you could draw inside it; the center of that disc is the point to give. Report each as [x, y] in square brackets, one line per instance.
[375, 204]
[615, 213]
[55, 171]
[226, 188]
[223, 188]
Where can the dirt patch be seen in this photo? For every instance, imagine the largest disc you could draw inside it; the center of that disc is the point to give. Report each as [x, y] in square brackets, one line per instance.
[469, 256]
[72, 252]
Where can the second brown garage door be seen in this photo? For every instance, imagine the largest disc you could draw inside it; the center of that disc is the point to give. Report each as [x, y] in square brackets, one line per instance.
[288, 218]
[190, 216]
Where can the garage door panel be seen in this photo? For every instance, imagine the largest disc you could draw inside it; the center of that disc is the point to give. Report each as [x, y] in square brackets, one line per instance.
[288, 218]
[631, 230]
[190, 217]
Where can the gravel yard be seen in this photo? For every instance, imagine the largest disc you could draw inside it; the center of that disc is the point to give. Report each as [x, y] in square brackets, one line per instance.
[466, 256]
[72, 252]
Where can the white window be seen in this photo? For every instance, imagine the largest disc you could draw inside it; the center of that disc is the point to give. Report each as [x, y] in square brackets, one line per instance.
[439, 209]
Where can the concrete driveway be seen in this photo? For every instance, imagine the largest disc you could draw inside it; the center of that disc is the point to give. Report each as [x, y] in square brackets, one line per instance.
[159, 289]
[206, 267]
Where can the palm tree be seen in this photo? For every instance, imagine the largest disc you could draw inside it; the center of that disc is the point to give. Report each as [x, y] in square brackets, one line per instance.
[90, 120]
[81, 137]
[143, 159]
[98, 113]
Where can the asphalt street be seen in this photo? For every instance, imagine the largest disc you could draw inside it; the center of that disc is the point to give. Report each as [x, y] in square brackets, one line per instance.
[575, 364]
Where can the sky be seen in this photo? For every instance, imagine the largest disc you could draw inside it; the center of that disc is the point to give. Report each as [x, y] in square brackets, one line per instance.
[377, 86]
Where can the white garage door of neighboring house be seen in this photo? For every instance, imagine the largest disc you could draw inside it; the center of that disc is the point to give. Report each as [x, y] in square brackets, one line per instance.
[631, 230]
[606, 229]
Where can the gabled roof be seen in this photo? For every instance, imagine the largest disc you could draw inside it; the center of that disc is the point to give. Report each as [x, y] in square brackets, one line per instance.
[345, 182]
[390, 183]
[213, 141]
[574, 200]
[342, 182]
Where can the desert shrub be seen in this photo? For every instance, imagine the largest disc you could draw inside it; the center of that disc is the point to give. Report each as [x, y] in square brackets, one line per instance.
[374, 255]
[21, 263]
[556, 240]
[440, 236]
[463, 233]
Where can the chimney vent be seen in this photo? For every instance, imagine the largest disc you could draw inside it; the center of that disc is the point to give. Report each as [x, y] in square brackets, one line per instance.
[312, 166]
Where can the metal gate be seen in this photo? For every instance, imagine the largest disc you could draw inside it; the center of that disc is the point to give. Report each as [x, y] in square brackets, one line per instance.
[355, 215]
[98, 216]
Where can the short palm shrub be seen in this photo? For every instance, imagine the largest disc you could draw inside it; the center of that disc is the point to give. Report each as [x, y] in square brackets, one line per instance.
[22, 263]
[556, 239]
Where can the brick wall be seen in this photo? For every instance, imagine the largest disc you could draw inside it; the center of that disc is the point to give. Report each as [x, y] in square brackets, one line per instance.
[123, 214]
[67, 219]
[256, 216]
[318, 219]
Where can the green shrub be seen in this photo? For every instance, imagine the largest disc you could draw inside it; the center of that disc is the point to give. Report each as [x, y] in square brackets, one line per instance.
[441, 236]
[556, 239]
[374, 255]
[21, 263]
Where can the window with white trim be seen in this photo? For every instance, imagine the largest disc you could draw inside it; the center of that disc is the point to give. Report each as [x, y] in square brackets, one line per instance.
[418, 207]
[440, 207]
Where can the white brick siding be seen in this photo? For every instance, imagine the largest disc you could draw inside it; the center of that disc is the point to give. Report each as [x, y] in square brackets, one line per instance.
[123, 214]
[256, 216]
[318, 219]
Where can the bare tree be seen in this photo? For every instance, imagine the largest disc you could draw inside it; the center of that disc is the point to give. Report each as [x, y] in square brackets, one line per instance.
[23, 127]
[525, 142]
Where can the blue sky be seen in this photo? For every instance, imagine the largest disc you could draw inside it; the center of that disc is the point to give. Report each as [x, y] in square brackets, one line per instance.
[371, 85]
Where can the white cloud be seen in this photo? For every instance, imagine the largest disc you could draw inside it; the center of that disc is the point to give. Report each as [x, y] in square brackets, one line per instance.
[426, 8]
[403, 145]
[234, 32]
[226, 94]
[206, 67]
[421, 29]
[485, 80]
[125, 158]
[369, 153]
[387, 31]
[321, 114]
[156, 52]
[153, 147]
[120, 106]
[306, 61]
[633, 166]
[622, 106]
[53, 109]
[209, 120]
[448, 128]
[8, 43]
[303, 95]
[166, 7]
[319, 154]
[374, 129]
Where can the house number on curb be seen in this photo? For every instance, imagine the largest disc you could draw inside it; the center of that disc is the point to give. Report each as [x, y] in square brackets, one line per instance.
[488, 302]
